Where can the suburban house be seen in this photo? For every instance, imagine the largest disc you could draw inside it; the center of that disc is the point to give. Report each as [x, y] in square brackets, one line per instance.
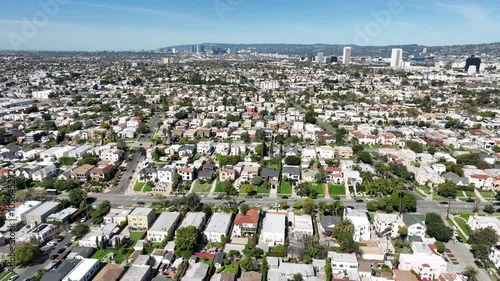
[415, 224]
[82, 172]
[327, 223]
[478, 222]
[427, 266]
[292, 173]
[217, 227]
[141, 218]
[273, 229]
[227, 173]
[246, 224]
[272, 176]
[288, 270]
[101, 172]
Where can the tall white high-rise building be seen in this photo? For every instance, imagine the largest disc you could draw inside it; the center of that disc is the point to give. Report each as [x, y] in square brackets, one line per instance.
[320, 58]
[397, 58]
[346, 59]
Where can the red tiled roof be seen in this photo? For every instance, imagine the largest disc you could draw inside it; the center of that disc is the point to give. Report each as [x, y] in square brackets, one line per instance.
[479, 176]
[252, 216]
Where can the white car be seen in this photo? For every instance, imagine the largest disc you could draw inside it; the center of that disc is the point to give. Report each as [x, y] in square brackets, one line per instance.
[257, 205]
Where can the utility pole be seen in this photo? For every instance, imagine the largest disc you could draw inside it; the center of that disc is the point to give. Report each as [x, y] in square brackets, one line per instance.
[400, 202]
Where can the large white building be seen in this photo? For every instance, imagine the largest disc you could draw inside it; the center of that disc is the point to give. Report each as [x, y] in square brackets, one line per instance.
[300, 224]
[273, 229]
[83, 271]
[22, 210]
[361, 224]
[164, 225]
[343, 262]
[388, 224]
[396, 58]
[218, 226]
[196, 219]
[346, 58]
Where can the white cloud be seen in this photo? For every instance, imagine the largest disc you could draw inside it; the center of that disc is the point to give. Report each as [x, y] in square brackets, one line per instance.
[470, 11]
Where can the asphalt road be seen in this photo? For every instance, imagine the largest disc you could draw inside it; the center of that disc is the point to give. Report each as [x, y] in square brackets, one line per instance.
[423, 206]
[462, 254]
[132, 164]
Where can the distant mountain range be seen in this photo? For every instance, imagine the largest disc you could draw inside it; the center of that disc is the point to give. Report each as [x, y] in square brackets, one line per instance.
[373, 51]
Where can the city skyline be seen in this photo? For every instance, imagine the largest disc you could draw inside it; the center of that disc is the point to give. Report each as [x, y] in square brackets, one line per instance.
[129, 25]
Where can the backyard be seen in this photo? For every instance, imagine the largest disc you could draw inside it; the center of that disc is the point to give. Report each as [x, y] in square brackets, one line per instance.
[136, 235]
[336, 189]
[201, 187]
[119, 257]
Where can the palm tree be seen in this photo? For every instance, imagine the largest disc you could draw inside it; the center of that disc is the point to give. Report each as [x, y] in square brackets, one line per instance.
[471, 272]
[344, 226]
[337, 208]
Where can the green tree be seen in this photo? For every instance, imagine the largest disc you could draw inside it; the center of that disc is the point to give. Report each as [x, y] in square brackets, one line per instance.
[25, 253]
[80, 229]
[308, 205]
[321, 176]
[186, 239]
[100, 212]
[447, 189]
[328, 269]
[489, 209]
[310, 117]
[297, 277]
[257, 180]
[415, 146]
[76, 196]
[471, 272]
[228, 188]
[365, 157]
[486, 236]
[292, 160]
[244, 208]
[345, 226]
[193, 201]
[302, 189]
[480, 251]
[440, 247]
[403, 232]
[67, 161]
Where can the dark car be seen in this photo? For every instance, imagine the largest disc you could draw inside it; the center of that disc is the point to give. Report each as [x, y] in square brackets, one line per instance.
[359, 200]
[459, 239]
[470, 200]
[60, 238]
[498, 210]
[53, 257]
[337, 198]
[479, 264]
[69, 244]
[249, 196]
[496, 203]
[258, 196]
[141, 203]
[60, 251]
[284, 197]
[443, 203]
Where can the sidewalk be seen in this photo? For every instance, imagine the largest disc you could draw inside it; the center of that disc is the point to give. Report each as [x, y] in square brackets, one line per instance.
[479, 196]
[326, 191]
[452, 218]
[347, 193]
[212, 189]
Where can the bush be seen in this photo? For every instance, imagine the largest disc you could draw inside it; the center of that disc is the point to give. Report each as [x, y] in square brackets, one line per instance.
[440, 247]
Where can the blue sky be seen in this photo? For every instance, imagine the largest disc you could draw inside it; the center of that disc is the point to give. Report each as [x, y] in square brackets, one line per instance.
[149, 24]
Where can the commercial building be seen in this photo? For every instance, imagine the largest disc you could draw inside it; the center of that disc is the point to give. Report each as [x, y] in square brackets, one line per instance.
[63, 216]
[39, 214]
[346, 58]
[22, 210]
[164, 226]
[397, 58]
[83, 271]
[217, 227]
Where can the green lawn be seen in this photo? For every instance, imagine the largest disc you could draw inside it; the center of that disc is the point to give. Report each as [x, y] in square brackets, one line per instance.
[4, 276]
[420, 193]
[464, 240]
[138, 186]
[119, 258]
[259, 189]
[286, 188]
[462, 223]
[35, 183]
[232, 268]
[148, 187]
[488, 195]
[336, 189]
[219, 187]
[201, 188]
[319, 187]
[136, 235]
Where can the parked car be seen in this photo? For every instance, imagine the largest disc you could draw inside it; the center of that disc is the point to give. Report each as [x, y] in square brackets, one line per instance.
[292, 199]
[60, 251]
[52, 243]
[284, 197]
[14, 277]
[479, 264]
[443, 202]
[258, 196]
[53, 257]
[459, 239]
[60, 238]
[257, 205]
[358, 200]
[141, 203]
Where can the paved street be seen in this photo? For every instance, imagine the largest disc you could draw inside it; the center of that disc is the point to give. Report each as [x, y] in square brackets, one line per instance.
[462, 254]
